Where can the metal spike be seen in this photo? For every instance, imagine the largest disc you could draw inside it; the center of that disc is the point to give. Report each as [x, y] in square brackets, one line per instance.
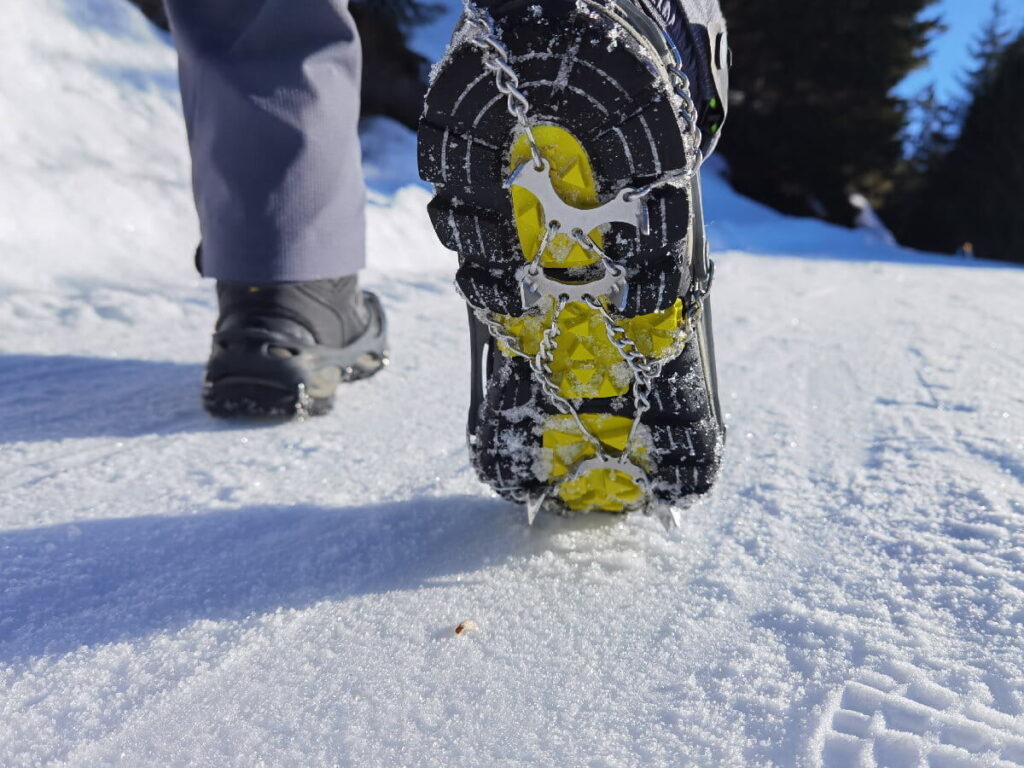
[303, 402]
[533, 505]
[624, 207]
[671, 517]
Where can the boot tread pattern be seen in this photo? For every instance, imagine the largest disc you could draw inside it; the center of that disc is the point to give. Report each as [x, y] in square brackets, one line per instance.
[603, 122]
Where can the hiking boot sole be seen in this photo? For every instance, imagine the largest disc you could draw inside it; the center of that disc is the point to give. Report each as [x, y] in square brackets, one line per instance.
[604, 121]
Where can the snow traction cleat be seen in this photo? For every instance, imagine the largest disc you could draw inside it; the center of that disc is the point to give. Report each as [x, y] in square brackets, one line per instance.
[564, 141]
[281, 351]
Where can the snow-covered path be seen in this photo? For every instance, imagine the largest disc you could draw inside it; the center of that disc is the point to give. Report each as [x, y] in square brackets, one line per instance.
[180, 591]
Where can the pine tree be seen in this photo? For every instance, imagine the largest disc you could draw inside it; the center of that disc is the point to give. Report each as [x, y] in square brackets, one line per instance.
[988, 48]
[932, 131]
[813, 117]
[937, 124]
[975, 192]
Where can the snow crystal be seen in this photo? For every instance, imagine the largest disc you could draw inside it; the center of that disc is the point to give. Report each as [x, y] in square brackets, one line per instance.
[172, 595]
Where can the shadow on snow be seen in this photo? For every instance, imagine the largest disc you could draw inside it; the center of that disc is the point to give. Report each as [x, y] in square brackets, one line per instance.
[45, 397]
[96, 582]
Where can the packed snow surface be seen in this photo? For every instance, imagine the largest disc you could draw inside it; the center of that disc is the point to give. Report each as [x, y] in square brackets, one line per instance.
[176, 590]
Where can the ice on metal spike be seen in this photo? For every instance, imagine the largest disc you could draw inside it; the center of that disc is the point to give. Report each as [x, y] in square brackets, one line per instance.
[303, 402]
[671, 517]
[533, 505]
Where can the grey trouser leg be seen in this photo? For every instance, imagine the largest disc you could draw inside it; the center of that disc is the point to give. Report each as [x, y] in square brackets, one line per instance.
[271, 97]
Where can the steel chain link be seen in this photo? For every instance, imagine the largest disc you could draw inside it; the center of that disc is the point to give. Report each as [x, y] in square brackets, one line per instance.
[540, 363]
[495, 56]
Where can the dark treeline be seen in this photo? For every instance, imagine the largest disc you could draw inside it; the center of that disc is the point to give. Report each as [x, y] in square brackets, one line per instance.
[963, 187]
[813, 117]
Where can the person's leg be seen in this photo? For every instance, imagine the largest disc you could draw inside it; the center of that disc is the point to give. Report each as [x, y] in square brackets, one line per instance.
[270, 90]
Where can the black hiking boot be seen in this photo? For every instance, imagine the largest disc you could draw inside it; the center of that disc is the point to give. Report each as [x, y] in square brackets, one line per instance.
[564, 140]
[282, 350]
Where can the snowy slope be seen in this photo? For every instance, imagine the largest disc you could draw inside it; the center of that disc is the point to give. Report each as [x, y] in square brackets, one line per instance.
[180, 591]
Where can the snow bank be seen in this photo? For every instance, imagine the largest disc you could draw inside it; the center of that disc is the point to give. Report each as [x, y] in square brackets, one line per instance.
[180, 591]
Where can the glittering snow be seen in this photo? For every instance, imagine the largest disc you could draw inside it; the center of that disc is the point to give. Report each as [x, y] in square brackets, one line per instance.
[176, 590]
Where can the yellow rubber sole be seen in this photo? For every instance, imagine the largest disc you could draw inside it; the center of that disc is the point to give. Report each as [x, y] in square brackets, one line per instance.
[586, 364]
